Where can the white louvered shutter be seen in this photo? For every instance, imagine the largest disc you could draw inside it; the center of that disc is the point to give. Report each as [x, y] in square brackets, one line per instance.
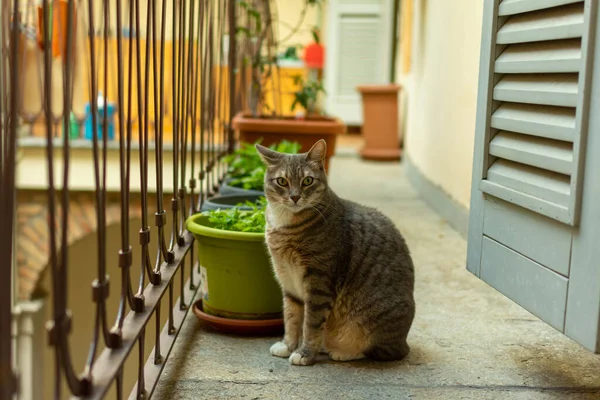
[359, 44]
[533, 228]
[536, 120]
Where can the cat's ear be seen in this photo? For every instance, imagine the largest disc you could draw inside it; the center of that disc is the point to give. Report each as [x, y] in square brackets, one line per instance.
[317, 152]
[268, 156]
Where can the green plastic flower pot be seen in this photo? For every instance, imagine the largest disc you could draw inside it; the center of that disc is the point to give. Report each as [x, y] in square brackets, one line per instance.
[236, 275]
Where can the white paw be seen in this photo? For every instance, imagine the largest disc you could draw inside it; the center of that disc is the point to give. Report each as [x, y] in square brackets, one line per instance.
[339, 356]
[280, 349]
[298, 359]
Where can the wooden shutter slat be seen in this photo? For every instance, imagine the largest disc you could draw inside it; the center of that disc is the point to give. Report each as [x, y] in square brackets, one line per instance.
[546, 89]
[510, 7]
[550, 186]
[540, 57]
[545, 121]
[537, 152]
[534, 128]
[533, 203]
[554, 24]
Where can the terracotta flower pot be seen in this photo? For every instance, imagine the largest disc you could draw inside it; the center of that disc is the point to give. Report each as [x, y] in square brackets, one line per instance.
[380, 122]
[305, 131]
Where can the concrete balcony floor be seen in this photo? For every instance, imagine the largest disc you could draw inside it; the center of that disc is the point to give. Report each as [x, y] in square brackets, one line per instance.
[468, 341]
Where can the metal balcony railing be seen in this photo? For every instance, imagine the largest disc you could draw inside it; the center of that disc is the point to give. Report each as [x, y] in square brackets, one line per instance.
[160, 64]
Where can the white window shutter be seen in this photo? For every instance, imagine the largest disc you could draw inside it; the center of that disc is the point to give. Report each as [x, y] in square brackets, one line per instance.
[533, 225]
[536, 124]
[359, 44]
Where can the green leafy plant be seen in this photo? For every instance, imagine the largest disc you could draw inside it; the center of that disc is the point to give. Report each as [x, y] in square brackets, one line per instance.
[246, 168]
[258, 44]
[307, 95]
[234, 219]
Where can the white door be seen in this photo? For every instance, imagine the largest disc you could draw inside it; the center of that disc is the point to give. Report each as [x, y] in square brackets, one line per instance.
[359, 51]
[534, 230]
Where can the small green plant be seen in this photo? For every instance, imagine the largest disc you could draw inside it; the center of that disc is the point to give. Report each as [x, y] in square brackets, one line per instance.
[259, 43]
[246, 168]
[234, 219]
[307, 95]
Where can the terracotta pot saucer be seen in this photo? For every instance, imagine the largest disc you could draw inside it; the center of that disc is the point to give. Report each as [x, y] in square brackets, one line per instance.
[239, 326]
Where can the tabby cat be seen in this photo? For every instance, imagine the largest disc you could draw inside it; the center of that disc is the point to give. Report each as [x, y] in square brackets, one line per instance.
[345, 271]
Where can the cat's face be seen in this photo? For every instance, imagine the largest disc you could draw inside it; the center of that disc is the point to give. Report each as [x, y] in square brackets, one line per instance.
[295, 181]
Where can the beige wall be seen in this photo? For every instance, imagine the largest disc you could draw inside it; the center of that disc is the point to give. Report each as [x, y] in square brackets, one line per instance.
[288, 17]
[441, 90]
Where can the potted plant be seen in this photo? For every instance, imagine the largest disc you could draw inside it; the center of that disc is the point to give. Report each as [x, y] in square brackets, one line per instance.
[239, 288]
[257, 44]
[246, 173]
[380, 126]
[222, 202]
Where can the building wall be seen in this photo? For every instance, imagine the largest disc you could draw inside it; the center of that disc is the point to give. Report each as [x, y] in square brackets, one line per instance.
[441, 92]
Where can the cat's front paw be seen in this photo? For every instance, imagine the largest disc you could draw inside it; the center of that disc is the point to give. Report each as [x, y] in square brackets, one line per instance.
[280, 349]
[303, 356]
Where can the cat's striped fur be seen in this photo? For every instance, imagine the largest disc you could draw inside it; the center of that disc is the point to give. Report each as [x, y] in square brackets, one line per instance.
[346, 273]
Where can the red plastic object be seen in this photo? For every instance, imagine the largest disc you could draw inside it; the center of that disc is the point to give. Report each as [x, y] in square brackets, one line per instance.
[314, 54]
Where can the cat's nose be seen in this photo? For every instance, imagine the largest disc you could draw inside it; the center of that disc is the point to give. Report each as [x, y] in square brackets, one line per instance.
[295, 198]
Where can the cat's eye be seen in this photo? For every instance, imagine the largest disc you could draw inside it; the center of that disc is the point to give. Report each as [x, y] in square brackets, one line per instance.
[308, 181]
[281, 181]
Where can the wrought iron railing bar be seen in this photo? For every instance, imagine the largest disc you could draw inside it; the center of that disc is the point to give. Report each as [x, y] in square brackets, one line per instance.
[60, 326]
[183, 137]
[225, 94]
[156, 357]
[183, 142]
[183, 90]
[4, 92]
[152, 370]
[158, 105]
[144, 134]
[210, 101]
[204, 93]
[222, 93]
[8, 150]
[193, 67]
[144, 234]
[202, 67]
[140, 385]
[175, 141]
[100, 287]
[217, 95]
[195, 120]
[125, 254]
[191, 109]
[161, 215]
[56, 309]
[64, 258]
[233, 70]
[112, 359]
